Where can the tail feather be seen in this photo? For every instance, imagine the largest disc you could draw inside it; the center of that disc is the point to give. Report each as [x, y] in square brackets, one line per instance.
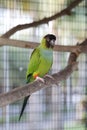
[23, 106]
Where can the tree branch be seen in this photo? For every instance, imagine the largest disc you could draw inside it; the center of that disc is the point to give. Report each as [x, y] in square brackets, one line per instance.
[75, 54]
[66, 11]
[82, 47]
[28, 89]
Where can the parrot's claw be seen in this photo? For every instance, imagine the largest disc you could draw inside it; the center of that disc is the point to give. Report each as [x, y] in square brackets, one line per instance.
[40, 79]
[49, 76]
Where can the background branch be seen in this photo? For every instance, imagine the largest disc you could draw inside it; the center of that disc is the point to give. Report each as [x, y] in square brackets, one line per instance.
[82, 47]
[28, 89]
[66, 11]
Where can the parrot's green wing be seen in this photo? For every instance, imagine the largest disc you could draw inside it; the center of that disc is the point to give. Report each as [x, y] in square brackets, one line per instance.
[33, 63]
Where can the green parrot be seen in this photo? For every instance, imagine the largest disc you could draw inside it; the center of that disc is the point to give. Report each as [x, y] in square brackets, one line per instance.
[40, 63]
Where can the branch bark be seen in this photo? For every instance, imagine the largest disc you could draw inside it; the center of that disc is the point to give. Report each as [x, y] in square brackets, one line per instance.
[66, 11]
[20, 92]
[82, 47]
[75, 54]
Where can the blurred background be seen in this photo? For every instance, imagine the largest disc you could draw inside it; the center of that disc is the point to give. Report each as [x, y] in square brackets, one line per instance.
[62, 107]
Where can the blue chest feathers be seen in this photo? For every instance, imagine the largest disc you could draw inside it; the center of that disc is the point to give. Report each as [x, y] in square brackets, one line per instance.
[47, 55]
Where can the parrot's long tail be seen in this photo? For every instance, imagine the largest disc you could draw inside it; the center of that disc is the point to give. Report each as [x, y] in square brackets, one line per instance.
[23, 106]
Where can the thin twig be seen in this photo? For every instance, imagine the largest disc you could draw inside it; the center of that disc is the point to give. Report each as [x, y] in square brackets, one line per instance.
[82, 47]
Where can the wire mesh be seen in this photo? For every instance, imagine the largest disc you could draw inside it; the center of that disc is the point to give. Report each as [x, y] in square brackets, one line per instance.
[58, 107]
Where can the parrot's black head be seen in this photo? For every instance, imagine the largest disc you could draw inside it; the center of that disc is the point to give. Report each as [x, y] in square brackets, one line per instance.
[50, 40]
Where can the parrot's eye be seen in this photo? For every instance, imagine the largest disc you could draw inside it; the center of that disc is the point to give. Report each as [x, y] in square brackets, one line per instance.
[47, 39]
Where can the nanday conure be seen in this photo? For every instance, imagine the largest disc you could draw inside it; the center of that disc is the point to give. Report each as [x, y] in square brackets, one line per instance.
[40, 63]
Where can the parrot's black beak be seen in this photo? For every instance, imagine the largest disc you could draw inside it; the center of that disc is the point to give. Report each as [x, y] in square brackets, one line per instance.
[52, 42]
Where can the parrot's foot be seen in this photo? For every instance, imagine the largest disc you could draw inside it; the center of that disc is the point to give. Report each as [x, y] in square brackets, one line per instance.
[49, 76]
[40, 79]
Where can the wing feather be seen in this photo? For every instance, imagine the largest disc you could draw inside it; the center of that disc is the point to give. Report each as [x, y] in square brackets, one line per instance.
[34, 62]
